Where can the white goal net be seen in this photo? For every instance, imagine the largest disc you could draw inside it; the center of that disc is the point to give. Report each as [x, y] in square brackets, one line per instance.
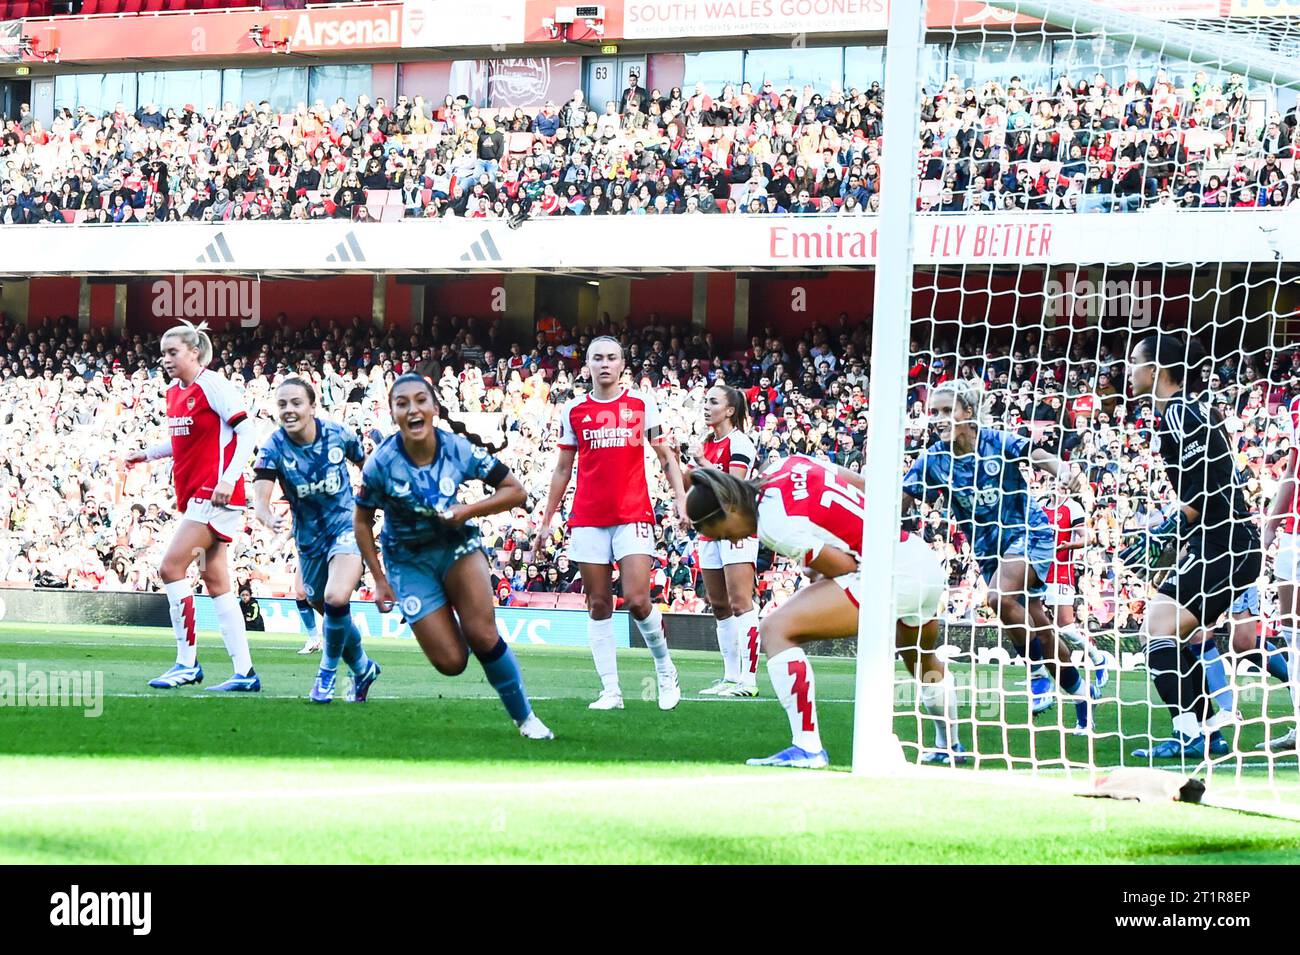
[1115, 512]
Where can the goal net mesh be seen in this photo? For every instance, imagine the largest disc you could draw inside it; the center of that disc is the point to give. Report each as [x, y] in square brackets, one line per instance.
[1079, 192]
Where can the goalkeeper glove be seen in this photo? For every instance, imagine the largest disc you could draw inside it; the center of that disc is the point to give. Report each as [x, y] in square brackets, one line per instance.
[1145, 552]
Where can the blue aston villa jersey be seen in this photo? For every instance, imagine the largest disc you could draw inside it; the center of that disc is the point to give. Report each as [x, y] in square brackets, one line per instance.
[987, 492]
[315, 481]
[411, 496]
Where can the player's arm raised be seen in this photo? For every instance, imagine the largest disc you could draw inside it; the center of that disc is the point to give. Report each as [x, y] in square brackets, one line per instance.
[363, 527]
[560, 479]
[1046, 461]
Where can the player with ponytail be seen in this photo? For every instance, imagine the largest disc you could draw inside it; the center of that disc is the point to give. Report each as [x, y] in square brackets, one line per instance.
[211, 443]
[308, 458]
[813, 512]
[612, 521]
[729, 567]
[433, 558]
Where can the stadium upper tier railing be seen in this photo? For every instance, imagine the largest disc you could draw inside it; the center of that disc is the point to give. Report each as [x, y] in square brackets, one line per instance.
[613, 244]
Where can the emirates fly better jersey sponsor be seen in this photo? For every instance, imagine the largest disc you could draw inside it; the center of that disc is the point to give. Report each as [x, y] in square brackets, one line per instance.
[202, 420]
[805, 505]
[610, 438]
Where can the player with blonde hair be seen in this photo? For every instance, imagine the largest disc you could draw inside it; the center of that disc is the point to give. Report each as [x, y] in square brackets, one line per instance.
[612, 522]
[211, 443]
[978, 468]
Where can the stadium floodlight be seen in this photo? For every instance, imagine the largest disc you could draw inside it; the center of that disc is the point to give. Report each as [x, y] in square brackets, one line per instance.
[875, 748]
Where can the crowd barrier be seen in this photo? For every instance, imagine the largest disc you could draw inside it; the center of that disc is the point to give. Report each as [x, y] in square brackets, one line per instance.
[525, 626]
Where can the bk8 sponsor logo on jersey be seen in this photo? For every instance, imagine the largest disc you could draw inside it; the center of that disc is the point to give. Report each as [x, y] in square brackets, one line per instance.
[988, 497]
[331, 483]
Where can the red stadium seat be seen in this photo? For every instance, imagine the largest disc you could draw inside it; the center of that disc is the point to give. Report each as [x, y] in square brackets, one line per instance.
[17, 10]
[90, 7]
[132, 6]
[570, 601]
[154, 6]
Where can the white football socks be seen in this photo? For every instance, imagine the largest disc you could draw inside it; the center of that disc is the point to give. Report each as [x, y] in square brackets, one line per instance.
[231, 620]
[600, 635]
[747, 644]
[729, 649]
[939, 699]
[652, 632]
[792, 678]
[1288, 636]
[180, 604]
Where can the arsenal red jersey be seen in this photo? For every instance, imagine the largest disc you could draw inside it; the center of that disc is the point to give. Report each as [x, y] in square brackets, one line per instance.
[1291, 428]
[202, 421]
[611, 439]
[1064, 518]
[805, 505]
[735, 448]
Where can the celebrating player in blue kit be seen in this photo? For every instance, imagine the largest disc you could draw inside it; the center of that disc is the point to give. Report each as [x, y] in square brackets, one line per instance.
[308, 457]
[979, 467]
[432, 552]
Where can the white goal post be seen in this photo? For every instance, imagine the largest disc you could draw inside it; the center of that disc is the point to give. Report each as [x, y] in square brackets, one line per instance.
[1099, 302]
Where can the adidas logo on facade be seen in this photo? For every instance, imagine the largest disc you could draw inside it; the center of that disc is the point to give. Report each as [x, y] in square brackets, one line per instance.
[217, 253]
[484, 250]
[349, 250]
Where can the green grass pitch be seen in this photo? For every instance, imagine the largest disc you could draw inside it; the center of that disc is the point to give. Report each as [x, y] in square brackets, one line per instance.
[431, 770]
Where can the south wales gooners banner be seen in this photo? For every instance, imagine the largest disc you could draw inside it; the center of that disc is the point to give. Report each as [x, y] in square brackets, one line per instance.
[690, 18]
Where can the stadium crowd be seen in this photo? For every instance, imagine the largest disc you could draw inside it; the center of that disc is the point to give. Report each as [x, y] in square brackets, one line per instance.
[74, 404]
[1077, 145]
